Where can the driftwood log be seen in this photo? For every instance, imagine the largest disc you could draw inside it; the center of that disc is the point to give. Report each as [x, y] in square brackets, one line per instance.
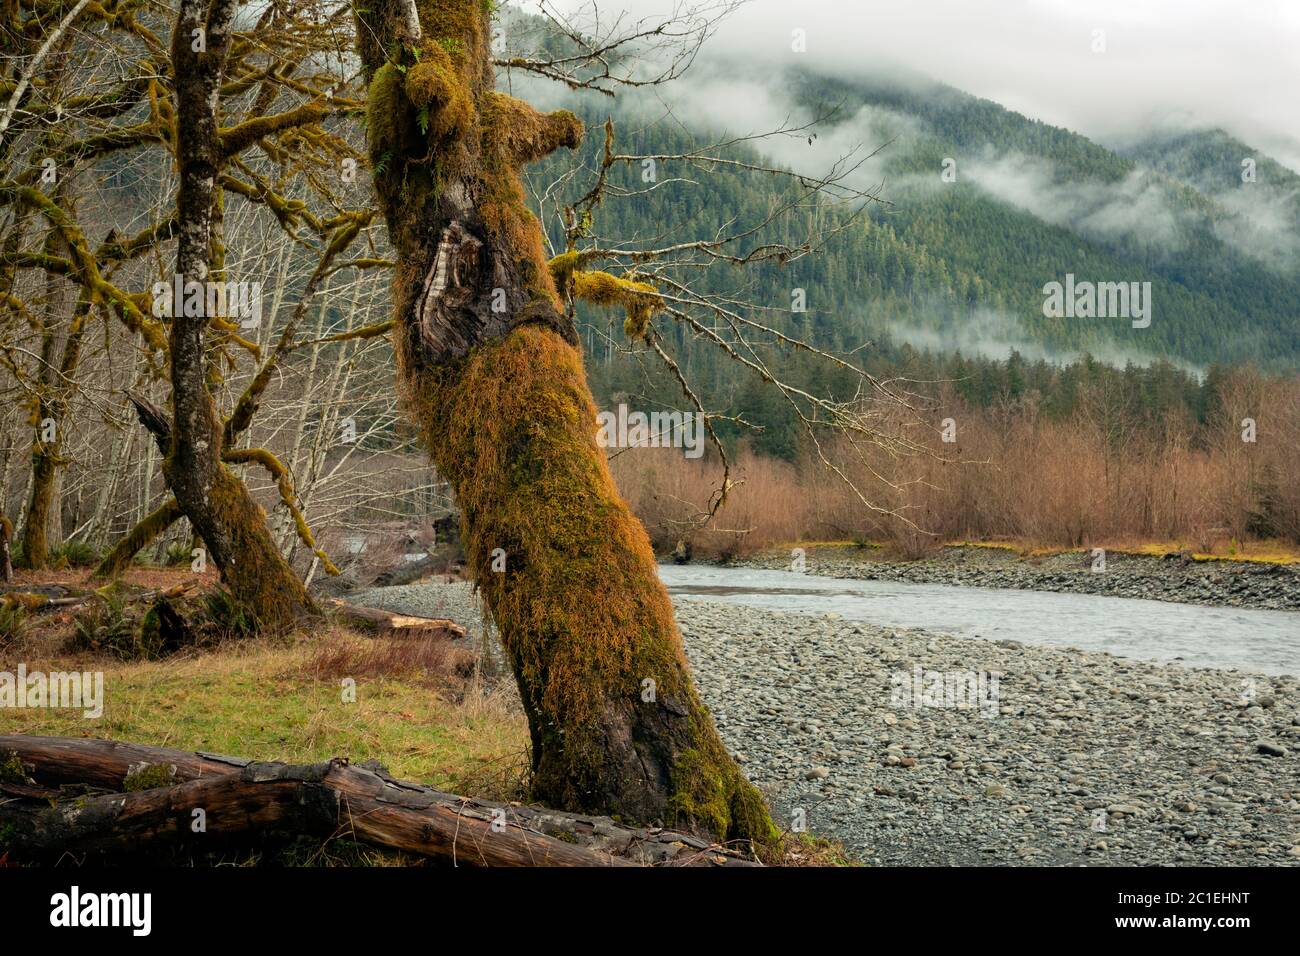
[109, 799]
[406, 572]
[389, 624]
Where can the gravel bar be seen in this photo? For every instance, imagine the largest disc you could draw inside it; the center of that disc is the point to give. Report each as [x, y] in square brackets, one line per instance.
[1176, 578]
[1089, 759]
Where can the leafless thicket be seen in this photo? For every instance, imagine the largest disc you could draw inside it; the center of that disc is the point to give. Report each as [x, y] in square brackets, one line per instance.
[87, 222]
[1015, 473]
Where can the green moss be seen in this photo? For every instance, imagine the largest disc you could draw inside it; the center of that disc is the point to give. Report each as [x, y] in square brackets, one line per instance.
[140, 536]
[149, 777]
[710, 791]
[461, 24]
[386, 111]
[258, 576]
[434, 87]
[512, 427]
[562, 267]
[12, 770]
[150, 640]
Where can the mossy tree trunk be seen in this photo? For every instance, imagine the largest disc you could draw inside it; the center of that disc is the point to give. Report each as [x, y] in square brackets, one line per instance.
[50, 399]
[490, 368]
[40, 498]
[50, 407]
[45, 456]
[220, 509]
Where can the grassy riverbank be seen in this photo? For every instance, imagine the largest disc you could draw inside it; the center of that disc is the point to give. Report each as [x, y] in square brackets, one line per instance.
[425, 710]
[418, 709]
[1251, 552]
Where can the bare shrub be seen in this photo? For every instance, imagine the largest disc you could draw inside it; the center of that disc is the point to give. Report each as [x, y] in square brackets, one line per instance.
[1102, 475]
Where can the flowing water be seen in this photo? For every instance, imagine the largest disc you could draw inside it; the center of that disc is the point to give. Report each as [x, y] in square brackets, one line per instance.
[1196, 636]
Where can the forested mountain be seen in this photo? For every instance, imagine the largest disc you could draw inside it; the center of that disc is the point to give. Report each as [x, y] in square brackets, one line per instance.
[957, 263]
[1212, 161]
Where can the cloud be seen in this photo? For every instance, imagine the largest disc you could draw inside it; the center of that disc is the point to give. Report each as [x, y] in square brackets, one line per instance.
[1215, 62]
[732, 92]
[1137, 207]
[995, 335]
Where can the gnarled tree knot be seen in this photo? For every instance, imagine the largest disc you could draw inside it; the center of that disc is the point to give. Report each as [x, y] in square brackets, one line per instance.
[450, 285]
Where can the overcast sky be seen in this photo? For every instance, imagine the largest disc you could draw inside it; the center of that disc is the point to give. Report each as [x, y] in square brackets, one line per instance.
[1228, 63]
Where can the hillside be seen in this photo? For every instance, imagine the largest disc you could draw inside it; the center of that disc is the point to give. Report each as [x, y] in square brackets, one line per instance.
[961, 265]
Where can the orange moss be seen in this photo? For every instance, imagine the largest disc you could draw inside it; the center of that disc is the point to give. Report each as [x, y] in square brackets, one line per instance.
[580, 608]
[521, 134]
[460, 27]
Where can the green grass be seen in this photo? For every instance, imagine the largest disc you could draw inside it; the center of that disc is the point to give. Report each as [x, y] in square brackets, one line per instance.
[262, 702]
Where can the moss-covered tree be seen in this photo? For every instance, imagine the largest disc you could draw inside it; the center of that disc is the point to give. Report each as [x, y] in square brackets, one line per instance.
[492, 373]
[232, 97]
[218, 504]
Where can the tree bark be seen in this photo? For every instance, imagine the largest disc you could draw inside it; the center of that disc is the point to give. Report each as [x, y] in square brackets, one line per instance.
[6, 557]
[490, 370]
[220, 509]
[244, 803]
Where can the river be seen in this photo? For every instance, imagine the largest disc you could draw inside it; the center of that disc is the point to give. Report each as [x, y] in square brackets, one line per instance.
[1194, 635]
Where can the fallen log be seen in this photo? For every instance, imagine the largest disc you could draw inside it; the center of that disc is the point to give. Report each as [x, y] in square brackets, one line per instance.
[46, 810]
[105, 764]
[407, 572]
[390, 624]
[39, 597]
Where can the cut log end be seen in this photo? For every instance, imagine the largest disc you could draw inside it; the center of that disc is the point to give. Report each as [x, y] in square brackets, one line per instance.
[389, 624]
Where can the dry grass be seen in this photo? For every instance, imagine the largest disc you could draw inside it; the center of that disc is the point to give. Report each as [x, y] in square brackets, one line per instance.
[804, 849]
[436, 662]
